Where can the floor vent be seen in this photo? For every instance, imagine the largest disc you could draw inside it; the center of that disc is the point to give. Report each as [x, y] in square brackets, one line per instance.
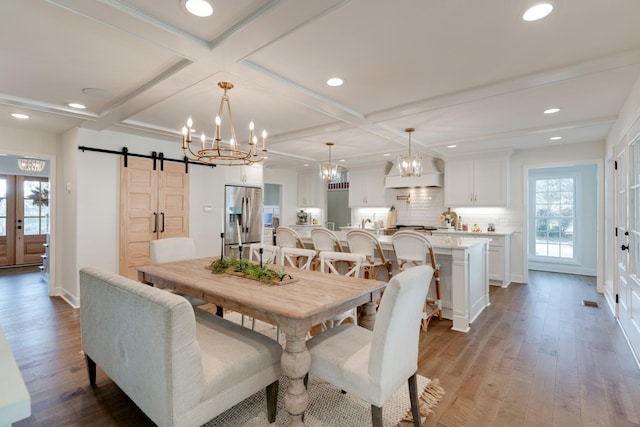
[588, 303]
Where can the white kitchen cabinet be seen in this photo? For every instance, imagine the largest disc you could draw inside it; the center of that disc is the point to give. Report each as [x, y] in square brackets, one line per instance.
[499, 254]
[244, 175]
[478, 182]
[366, 188]
[310, 188]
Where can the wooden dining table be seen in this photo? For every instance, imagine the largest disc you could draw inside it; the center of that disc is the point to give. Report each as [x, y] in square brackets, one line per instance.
[309, 299]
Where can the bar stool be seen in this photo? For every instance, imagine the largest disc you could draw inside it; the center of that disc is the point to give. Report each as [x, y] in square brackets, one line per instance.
[324, 240]
[413, 248]
[365, 243]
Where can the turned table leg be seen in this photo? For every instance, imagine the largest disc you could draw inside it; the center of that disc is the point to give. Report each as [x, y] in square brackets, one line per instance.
[295, 363]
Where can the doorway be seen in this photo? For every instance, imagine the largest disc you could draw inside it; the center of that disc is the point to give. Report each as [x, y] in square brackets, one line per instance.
[562, 219]
[24, 219]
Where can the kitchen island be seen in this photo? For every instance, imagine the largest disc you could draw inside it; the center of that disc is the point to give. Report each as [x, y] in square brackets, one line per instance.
[464, 274]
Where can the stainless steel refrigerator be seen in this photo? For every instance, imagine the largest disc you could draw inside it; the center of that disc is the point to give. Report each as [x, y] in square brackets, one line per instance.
[243, 213]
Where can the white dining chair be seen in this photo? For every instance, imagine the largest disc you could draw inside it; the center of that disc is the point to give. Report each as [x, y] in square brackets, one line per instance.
[366, 243]
[269, 253]
[413, 248]
[173, 249]
[329, 263]
[372, 365]
[296, 257]
[269, 256]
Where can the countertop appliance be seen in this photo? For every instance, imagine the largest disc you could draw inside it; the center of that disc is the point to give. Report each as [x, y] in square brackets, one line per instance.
[302, 218]
[243, 212]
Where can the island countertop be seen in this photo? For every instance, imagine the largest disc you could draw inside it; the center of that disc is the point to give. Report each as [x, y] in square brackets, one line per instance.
[438, 242]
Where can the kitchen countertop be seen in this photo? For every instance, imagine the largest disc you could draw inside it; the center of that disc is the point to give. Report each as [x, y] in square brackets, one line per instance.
[473, 233]
[444, 242]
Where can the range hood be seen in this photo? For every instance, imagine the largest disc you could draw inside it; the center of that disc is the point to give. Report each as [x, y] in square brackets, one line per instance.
[431, 175]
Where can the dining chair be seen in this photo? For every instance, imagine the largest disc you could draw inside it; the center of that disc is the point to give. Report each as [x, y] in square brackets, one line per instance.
[372, 365]
[269, 253]
[296, 257]
[330, 263]
[366, 243]
[292, 257]
[173, 249]
[413, 248]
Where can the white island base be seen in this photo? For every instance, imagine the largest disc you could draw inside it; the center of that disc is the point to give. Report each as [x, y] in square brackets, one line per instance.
[464, 282]
[464, 274]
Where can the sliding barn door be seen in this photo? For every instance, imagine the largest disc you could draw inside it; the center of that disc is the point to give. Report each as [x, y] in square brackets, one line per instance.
[154, 204]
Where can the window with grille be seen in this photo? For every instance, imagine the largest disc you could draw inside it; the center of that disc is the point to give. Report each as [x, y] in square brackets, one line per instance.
[554, 216]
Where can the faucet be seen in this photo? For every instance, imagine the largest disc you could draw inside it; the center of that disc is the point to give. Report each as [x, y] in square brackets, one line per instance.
[364, 222]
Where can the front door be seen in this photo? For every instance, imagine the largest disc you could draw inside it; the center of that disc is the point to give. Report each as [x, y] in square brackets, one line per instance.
[24, 219]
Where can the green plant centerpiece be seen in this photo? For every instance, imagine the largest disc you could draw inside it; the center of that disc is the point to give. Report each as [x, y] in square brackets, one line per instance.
[250, 270]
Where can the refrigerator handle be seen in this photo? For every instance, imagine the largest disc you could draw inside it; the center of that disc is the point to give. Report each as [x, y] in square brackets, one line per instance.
[248, 213]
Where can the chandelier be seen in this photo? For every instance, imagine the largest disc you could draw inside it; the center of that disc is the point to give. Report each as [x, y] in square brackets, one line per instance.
[219, 152]
[31, 165]
[329, 171]
[410, 165]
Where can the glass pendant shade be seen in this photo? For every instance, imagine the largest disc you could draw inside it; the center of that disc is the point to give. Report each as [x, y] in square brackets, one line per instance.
[411, 164]
[329, 171]
[31, 165]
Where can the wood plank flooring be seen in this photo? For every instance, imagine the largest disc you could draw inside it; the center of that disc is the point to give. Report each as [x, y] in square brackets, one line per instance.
[536, 357]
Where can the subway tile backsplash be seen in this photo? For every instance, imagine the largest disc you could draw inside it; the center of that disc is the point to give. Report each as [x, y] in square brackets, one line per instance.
[426, 204]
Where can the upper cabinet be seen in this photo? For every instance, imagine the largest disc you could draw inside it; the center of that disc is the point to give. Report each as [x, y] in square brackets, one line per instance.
[478, 182]
[244, 175]
[310, 188]
[366, 188]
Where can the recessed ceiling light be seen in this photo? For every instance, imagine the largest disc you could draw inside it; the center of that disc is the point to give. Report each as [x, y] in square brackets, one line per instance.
[76, 105]
[551, 110]
[19, 116]
[306, 164]
[342, 160]
[386, 154]
[201, 8]
[537, 11]
[555, 138]
[335, 81]
[452, 146]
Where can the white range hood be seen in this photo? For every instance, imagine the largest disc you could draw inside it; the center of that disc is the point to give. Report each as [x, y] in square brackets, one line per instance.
[431, 175]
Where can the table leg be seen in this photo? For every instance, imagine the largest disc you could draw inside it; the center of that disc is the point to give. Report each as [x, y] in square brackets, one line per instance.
[295, 363]
[368, 316]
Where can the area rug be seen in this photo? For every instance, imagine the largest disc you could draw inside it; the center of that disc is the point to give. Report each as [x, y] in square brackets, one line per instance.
[328, 406]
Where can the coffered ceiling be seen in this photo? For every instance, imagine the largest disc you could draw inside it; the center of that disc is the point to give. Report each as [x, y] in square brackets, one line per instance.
[469, 73]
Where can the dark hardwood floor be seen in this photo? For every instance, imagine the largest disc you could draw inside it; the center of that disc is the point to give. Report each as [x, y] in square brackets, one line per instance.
[536, 357]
